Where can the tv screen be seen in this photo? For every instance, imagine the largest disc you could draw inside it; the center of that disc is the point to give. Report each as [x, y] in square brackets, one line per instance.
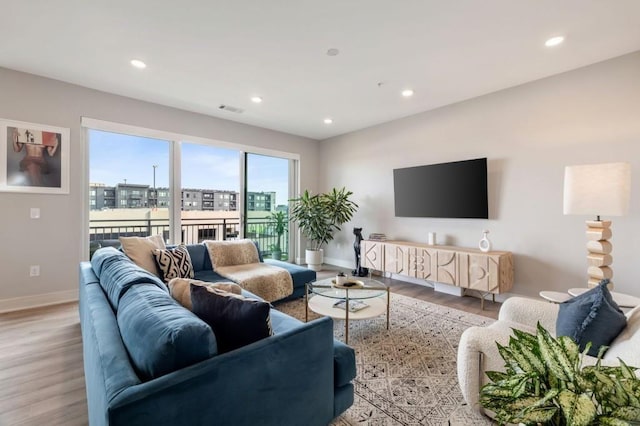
[448, 190]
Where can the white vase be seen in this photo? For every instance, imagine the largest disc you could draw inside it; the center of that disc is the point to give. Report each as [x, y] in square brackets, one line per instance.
[485, 244]
[314, 259]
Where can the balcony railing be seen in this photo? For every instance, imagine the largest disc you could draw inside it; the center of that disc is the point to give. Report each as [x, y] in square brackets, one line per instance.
[192, 231]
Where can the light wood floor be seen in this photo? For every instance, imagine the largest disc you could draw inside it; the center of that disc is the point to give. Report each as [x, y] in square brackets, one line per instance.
[41, 373]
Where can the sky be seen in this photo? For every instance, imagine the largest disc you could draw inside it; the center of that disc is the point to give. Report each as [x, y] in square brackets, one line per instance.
[115, 157]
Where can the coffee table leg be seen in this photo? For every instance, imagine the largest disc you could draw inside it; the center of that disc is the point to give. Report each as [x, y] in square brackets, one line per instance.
[306, 302]
[346, 321]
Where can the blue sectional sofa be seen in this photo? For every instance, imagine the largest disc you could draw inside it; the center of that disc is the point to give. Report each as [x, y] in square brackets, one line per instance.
[149, 361]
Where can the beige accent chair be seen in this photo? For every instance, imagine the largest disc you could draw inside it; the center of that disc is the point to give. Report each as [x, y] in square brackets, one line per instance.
[477, 351]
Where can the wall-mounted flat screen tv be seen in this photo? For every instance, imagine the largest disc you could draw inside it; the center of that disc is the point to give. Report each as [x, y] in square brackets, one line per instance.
[447, 190]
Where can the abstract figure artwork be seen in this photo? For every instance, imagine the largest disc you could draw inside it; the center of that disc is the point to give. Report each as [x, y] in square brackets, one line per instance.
[359, 271]
[34, 158]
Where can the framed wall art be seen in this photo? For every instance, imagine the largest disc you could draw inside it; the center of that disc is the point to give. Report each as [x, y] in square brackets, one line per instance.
[34, 158]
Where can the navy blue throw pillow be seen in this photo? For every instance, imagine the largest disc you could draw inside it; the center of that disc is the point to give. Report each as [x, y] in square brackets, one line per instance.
[236, 321]
[591, 317]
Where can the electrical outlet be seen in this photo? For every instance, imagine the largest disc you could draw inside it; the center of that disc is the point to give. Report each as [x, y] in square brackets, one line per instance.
[34, 213]
[34, 270]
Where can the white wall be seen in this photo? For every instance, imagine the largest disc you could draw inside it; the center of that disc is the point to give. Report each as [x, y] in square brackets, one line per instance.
[529, 134]
[54, 242]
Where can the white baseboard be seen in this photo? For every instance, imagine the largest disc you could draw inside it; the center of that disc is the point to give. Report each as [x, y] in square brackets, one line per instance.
[38, 300]
[338, 262]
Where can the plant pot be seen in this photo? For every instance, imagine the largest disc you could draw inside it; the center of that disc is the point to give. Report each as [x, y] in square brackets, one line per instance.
[314, 259]
[276, 254]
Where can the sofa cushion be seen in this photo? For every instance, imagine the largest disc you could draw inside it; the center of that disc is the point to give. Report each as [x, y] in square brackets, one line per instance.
[118, 273]
[230, 253]
[105, 256]
[281, 322]
[160, 335]
[174, 263]
[180, 289]
[199, 257]
[210, 276]
[591, 317]
[235, 320]
[140, 251]
[299, 274]
[344, 363]
[344, 357]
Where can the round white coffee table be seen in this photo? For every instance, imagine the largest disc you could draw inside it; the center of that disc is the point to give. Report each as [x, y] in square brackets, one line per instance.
[324, 298]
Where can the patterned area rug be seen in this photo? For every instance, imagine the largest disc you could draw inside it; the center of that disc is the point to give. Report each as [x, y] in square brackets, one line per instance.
[406, 375]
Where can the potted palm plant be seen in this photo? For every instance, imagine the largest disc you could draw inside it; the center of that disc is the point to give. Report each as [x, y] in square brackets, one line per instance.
[545, 383]
[278, 221]
[319, 216]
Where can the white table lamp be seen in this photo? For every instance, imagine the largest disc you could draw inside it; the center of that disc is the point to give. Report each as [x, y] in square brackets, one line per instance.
[598, 190]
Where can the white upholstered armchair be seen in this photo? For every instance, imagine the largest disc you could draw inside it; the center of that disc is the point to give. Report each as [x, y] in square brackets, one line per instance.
[477, 351]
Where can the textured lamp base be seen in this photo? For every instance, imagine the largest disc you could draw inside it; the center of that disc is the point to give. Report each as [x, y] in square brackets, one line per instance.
[599, 248]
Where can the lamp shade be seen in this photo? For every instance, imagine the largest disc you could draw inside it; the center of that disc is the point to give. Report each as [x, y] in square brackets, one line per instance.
[597, 189]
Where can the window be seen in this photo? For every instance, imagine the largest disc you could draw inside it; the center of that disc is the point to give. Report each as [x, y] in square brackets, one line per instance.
[133, 191]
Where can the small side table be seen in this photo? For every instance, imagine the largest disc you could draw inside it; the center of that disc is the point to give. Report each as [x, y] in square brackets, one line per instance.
[555, 296]
[623, 300]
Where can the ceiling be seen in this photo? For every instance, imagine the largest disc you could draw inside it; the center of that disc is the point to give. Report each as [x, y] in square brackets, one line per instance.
[204, 53]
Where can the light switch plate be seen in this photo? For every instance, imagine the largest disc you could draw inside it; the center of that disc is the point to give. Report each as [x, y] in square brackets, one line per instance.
[34, 213]
[34, 270]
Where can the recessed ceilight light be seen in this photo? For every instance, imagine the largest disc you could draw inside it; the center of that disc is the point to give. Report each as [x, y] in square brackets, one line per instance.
[554, 41]
[328, 121]
[256, 99]
[138, 63]
[407, 93]
[333, 52]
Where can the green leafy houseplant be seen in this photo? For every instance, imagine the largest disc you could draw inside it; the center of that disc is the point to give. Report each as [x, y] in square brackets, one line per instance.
[278, 221]
[320, 216]
[545, 383]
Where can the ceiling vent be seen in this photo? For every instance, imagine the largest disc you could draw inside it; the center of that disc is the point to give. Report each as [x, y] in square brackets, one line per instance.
[231, 109]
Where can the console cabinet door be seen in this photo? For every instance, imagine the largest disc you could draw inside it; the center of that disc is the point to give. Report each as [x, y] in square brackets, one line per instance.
[422, 263]
[484, 272]
[476, 272]
[396, 259]
[371, 253]
[447, 267]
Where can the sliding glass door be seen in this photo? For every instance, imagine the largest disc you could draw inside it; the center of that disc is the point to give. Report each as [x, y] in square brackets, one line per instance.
[266, 207]
[128, 187]
[187, 192]
[210, 193]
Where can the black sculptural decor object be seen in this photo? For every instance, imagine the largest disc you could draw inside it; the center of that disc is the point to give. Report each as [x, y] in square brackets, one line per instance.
[359, 271]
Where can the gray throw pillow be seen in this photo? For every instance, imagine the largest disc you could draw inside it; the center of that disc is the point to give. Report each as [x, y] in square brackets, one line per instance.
[591, 317]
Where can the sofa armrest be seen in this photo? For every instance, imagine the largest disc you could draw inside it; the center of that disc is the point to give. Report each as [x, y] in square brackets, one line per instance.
[477, 353]
[284, 379]
[529, 311]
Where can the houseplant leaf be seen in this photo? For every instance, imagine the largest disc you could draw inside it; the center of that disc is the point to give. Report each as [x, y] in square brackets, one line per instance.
[554, 356]
[631, 414]
[578, 409]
